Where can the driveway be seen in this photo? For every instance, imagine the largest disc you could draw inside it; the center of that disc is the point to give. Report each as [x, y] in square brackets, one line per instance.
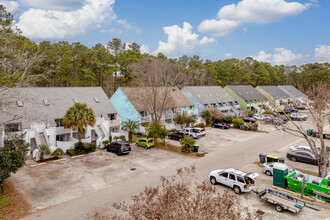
[54, 183]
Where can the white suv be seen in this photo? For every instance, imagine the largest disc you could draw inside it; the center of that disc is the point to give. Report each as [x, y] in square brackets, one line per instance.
[191, 133]
[200, 130]
[238, 180]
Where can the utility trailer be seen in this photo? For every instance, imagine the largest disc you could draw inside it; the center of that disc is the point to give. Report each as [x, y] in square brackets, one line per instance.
[281, 202]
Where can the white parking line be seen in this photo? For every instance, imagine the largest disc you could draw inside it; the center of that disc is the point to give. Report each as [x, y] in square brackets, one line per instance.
[74, 157]
[55, 161]
[38, 164]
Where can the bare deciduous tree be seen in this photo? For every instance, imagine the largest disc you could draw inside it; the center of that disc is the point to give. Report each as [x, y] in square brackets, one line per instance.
[179, 197]
[319, 110]
[158, 80]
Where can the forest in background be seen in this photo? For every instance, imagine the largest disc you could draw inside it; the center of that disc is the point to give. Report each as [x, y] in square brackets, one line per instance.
[64, 64]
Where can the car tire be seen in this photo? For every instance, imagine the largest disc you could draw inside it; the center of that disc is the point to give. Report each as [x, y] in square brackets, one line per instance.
[293, 159]
[279, 208]
[118, 153]
[213, 181]
[146, 147]
[237, 190]
[268, 173]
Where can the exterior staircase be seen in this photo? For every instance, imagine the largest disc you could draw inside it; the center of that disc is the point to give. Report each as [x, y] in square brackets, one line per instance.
[42, 139]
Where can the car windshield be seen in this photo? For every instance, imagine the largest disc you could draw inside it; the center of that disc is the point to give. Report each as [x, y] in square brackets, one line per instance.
[150, 141]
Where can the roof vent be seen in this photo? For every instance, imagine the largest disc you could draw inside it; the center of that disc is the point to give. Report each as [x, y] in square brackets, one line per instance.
[177, 95]
[96, 100]
[140, 97]
[75, 100]
[210, 94]
[216, 94]
[198, 95]
[46, 102]
[20, 103]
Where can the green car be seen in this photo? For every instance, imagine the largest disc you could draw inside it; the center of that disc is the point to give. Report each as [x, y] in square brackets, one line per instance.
[146, 143]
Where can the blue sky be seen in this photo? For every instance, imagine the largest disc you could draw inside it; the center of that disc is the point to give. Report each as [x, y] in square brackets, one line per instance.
[275, 31]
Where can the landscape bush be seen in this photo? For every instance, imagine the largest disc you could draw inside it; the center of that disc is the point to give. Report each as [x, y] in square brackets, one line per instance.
[253, 126]
[269, 112]
[187, 143]
[227, 119]
[82, 148]
[200, 125]
[237, 122]
[71, 152]
[57, 153]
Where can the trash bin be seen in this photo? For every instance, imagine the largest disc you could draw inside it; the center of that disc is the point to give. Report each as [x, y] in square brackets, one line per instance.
[281, 160]
[262, 158]
[327, 136]
[195, 148]
[314, 133]
[309, 132]
[271, 158]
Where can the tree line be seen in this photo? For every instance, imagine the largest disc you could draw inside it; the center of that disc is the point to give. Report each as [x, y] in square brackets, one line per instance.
[64, 64]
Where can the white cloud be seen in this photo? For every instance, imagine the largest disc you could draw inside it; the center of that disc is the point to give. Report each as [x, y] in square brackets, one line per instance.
[144, 49]
[181, 40]
[281, 56]
[322, 53]
[127, 26]
[10, 6]
[228, 55]
[260, 11]
[53, 24]
[231, 17]
[218, 27]
[62, 5]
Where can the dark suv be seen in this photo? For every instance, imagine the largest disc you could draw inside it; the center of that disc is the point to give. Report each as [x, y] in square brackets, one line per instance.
[221, 125]
[288, 110]
[176, 135]
[120, 147]
[249, 120]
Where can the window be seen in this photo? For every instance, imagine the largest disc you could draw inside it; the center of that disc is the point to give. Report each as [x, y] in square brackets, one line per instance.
[112, 116]
[96, 100]
[75, 100]
[46, 102]
[13, 127]
[240, 179]
[20, 103]
[224, 174]
[232, 177]
[150, 141]
[59, 122]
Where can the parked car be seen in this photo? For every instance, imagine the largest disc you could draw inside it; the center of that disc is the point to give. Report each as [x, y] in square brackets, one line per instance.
[119, 147]
[192, 133]
[221, 125]
[146, 143]
[327, 176]
[301, 107]
[298, 117]
[301, 147]
[259, 116]
[283, 117]
[200, 130]
[239, 181]
[249, 119]
[177, 135]
[288, 110]
[302, 156]
[267, 168]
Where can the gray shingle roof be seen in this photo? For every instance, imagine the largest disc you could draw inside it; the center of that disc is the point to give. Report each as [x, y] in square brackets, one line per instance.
[247, 92]
[292, 91]
[274, 91]
[60, 100]
[210, 94]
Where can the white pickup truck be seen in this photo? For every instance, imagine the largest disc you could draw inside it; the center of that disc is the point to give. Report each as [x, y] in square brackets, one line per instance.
[239, 181]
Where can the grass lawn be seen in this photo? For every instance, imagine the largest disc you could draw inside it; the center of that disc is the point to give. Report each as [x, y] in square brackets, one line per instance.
[12, 203]
[176, 150]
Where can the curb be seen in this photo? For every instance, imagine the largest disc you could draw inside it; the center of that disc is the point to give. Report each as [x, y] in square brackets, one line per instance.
[55, 161]
[77, 156]
[39, 164]
[94, 152]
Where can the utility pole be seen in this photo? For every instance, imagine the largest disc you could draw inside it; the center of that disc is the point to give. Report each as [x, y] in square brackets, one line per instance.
[302, 189]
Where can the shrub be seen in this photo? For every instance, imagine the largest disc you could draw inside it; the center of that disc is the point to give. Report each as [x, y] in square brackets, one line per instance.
[200, 125]
[237, 122]
[270, 112]
[79, 148]
[206, 115]
[227, 119]
[57, 153]
[253, 126]
[187, 143]
[105, 142]
[71, 152]
[89, 148]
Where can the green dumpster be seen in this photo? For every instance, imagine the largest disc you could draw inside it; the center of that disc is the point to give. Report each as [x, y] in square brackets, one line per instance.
[280, 170]
[309, 132]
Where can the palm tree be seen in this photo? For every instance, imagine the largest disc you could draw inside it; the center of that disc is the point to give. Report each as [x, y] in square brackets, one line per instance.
[79, 117]
[130, 126]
